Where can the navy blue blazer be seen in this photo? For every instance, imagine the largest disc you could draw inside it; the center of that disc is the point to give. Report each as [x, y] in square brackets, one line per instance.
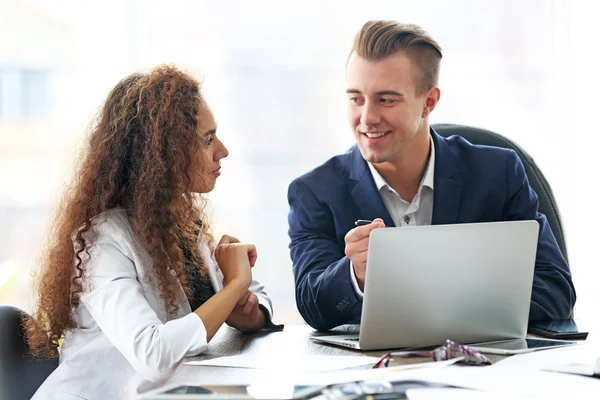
[471, 184]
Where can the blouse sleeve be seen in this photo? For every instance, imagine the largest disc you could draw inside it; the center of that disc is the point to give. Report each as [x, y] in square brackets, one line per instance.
[118, 305]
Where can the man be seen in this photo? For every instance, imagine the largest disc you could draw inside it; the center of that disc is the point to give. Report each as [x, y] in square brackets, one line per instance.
[400, 173]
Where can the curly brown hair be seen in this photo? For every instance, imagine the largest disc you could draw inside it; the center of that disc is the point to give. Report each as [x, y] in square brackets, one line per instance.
[144, 149]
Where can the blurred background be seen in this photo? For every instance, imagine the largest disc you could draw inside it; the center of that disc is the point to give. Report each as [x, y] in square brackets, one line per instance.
[274, 77]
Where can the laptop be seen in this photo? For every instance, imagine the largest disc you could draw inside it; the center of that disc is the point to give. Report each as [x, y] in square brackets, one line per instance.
[465, 282]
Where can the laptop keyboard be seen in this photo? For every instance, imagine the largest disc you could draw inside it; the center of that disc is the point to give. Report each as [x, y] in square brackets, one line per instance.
[352, 339]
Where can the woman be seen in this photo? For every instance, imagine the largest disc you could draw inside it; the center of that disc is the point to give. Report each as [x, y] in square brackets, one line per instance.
[127, 277]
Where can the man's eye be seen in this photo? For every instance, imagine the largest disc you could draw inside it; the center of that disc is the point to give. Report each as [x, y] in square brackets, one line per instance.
[387, 101]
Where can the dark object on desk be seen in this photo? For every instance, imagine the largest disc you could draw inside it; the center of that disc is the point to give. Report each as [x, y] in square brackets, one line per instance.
[537, 181]
[21, 374]
[559, 329]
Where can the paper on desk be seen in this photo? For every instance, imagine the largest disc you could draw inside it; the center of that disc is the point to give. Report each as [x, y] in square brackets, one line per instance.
[309, 363]
[581, 359]
[514, 381]
[591, 369]
[510, 381]
[389, 374]
[456, 394]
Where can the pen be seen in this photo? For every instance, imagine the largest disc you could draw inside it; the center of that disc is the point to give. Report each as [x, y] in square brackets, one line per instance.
[362, 222]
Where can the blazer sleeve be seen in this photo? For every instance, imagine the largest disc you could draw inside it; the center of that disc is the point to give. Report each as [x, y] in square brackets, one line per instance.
[325, 295]
[553, 295]
[118, 305]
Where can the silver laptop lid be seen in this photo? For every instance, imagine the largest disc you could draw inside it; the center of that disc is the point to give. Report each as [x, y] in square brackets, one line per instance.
[465, 282]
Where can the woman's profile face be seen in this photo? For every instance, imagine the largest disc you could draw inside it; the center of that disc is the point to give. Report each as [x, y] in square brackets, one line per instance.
[204, 177]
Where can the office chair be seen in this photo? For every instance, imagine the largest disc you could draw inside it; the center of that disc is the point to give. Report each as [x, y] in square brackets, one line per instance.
[21, 374]
[537, 180]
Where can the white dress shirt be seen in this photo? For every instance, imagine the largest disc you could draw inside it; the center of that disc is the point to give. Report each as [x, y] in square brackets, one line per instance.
[124, 336]
[418, 212]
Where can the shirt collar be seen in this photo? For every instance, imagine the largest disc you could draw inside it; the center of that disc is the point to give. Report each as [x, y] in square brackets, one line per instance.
[427, 178]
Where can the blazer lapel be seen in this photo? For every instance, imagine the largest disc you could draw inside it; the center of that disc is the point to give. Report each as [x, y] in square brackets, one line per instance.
[364, 192]
[447, 183]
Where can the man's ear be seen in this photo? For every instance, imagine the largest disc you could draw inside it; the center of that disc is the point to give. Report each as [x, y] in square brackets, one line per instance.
[433, 97]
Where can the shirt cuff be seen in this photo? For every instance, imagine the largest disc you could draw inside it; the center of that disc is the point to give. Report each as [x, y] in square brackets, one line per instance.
[263, 301]
[359, 292]
[265, 306]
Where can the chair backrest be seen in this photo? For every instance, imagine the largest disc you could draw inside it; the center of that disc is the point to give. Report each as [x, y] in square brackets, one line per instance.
[537, 180]
[21, 374]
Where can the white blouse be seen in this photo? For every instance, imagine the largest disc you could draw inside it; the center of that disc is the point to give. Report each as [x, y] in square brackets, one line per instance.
[123, 335]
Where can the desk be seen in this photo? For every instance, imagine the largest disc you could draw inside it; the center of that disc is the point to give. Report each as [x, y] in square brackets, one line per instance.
[293, 341]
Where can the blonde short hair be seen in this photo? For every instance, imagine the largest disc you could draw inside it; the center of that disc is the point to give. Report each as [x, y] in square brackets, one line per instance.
[379, 39]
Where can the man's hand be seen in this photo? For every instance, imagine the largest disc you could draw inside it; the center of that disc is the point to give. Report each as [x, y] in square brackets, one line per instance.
[247, 315]
[357, 246]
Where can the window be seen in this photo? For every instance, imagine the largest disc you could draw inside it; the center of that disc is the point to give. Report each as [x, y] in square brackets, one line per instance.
[24, 93]
[274, 77]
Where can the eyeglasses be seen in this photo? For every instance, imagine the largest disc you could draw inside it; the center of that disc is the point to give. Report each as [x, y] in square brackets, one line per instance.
[447, 351]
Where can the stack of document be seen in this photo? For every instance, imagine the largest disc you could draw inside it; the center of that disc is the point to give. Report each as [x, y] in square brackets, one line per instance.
[309, 363]
[345, 365]
[514, 382]
[534, 375]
